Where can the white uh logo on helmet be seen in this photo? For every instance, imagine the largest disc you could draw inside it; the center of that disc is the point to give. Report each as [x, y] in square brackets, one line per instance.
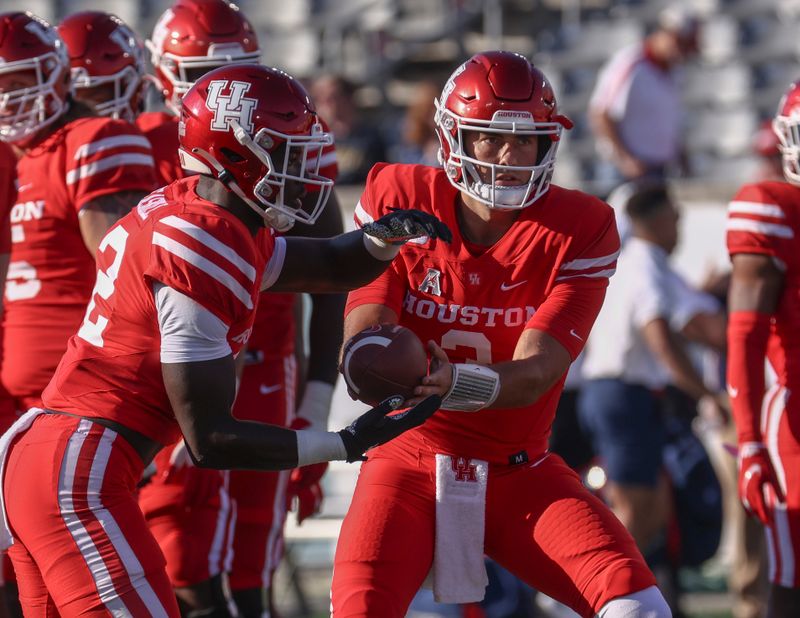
[234, 106]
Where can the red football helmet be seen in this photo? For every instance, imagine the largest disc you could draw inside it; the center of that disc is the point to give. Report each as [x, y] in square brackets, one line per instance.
[255, 129]
[787, 127]
[34, 75]
[107, 61]
[498, 92]
[195, 36]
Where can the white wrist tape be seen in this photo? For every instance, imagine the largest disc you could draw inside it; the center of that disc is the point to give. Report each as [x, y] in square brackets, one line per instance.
[316, 404]
[379, 249]
[474, 387]
[318, 446]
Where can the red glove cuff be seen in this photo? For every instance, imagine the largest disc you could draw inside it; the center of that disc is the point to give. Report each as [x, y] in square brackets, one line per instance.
[748, 334]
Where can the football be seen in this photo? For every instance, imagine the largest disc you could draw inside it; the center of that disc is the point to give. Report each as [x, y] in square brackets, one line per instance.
[383, 361]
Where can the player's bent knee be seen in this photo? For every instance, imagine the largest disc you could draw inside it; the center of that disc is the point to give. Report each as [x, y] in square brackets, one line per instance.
[647, 603]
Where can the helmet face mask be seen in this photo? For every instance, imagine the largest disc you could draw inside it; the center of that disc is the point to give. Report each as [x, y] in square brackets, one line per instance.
[501, 93]
[291, 168]
[254, 129]
[25, 110]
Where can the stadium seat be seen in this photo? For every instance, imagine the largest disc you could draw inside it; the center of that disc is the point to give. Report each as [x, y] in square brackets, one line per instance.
[724, 85]
[721, 132]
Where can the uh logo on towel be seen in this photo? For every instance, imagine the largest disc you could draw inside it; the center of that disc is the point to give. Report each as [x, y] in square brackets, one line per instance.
[464, 469]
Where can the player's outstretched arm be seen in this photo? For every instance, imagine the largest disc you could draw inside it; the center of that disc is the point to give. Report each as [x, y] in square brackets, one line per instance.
[201, 394]
[354, 259]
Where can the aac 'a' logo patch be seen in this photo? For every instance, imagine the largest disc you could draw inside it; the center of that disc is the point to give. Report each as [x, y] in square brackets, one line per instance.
[230, 107]
[432, 283]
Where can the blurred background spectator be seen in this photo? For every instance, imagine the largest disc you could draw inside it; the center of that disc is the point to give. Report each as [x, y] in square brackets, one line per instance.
[635, 110]
[417, 141]
[359, 144]
[635, 351]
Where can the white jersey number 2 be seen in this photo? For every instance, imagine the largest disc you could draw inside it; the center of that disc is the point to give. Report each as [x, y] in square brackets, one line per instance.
[104, 287]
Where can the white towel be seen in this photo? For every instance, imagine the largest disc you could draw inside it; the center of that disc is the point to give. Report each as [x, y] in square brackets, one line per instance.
[459, 574]
[20, 425]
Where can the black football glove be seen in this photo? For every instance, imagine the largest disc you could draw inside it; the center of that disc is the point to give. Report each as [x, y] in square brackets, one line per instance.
[400, 226]
[374, 427]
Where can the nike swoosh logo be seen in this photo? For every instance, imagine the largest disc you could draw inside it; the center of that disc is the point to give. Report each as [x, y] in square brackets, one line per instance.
[574, 334]
[266, 390]
[24, 187]
[506, 288]
[733, 392]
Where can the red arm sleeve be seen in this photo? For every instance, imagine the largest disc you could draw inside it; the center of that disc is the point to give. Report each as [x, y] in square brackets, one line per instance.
[748, 333]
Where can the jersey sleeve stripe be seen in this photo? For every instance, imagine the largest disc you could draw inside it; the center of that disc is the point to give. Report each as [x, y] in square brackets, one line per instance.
[756, 208]
[108, 143]
[218, 247]
[595, 275]
[90, 169]
[585, 263]
[275, 264]
[759, 227]
[361, 215]
[208, 267]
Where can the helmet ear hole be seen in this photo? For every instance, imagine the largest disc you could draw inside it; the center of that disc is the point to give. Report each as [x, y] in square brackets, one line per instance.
[233, 157]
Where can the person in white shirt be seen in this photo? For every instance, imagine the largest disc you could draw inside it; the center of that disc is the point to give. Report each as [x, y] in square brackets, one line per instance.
[634, 352]
[635, 110]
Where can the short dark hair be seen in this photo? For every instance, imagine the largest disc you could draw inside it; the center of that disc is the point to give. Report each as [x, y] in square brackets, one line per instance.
[646, 200]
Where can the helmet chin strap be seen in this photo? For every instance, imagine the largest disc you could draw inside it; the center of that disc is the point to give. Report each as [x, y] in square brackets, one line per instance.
[276, 220]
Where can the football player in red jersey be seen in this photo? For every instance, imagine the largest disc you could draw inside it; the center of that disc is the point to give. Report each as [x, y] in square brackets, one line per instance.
[505, 308]
[189, 39]
[178, 281]
[77, 175]
[762, 236]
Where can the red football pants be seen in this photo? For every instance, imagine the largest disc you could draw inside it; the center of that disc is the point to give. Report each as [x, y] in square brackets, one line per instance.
[189, 512]
[266, 394]
[541, 524]
[780, 415]
[81, 546]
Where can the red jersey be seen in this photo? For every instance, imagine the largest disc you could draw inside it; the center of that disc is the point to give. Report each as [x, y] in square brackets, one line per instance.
[112, 366]
[161, 129]
[549, 272]
[51, 271]
[764, 218]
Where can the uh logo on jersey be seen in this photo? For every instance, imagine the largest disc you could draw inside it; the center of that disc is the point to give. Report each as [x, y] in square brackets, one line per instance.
[231, 106]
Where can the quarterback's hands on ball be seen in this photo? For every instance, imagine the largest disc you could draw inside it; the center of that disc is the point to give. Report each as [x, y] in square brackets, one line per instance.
[439, 378]
[758, 482]
[400, 226]
[378, 425]
[304, 492]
